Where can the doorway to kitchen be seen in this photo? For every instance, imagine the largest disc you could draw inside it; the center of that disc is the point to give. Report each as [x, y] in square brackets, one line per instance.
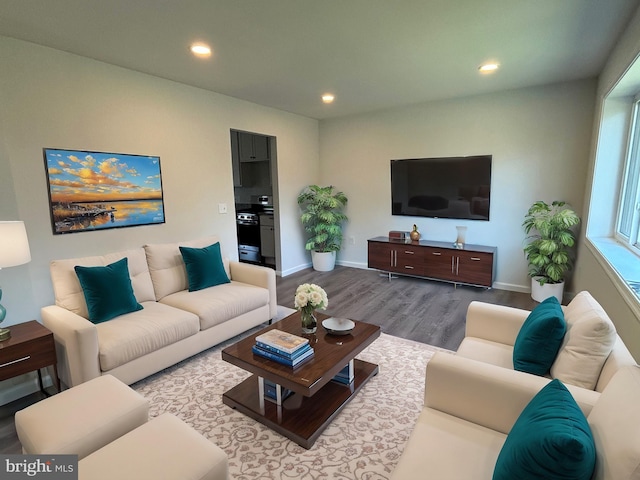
[254, 162]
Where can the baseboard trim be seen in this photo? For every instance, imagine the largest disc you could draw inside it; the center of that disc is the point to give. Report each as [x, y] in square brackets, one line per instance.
[290, 271]
[511, 287]
[362, 266]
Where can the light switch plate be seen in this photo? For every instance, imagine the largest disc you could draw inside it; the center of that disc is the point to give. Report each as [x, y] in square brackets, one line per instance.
[222, 208]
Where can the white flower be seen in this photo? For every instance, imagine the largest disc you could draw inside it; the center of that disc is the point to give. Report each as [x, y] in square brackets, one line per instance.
[301, 299]
[311, 296]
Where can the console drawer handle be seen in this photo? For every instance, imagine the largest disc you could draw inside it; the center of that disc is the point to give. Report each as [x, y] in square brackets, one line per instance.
[408, 252]
[475, 259]
[436, 253]
[408, 266]
[15, 361]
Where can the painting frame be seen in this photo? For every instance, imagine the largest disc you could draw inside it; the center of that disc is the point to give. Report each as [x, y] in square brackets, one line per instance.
[91, 190]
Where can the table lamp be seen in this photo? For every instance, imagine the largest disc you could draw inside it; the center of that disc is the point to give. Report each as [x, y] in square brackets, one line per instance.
[14, 250]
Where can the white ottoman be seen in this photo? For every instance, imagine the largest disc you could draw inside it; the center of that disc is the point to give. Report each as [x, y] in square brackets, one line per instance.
[164, 448]
[82, 419]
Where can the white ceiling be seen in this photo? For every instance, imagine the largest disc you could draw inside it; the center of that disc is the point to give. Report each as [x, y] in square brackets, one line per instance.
[372, 54]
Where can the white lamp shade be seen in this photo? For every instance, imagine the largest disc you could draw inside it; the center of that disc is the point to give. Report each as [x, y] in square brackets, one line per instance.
[14, 244]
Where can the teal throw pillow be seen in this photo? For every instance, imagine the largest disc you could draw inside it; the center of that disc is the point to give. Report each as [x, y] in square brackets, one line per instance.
[204, 267]
[107, 290]
[540, 338]
[550, 439]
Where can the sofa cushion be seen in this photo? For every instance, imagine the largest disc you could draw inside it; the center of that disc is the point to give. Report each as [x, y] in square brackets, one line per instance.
[67, 289]
[445, 447]
[133, 335]
[204, 267]
[107, 290]
[539, 339]
[166, 266]
[614, 422]
[486, 351]
[588, 342]
[550, 439]
[218, 304]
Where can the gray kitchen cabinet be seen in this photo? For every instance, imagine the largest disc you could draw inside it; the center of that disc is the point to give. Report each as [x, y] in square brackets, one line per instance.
[235, 160]
[253, 147]
[267, 236]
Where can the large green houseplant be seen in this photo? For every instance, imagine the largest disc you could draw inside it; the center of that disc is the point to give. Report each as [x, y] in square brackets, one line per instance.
[549, 230]
[322, 218]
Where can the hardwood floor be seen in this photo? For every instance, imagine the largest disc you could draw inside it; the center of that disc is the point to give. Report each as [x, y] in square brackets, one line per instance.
[421, 310]
[9, 443]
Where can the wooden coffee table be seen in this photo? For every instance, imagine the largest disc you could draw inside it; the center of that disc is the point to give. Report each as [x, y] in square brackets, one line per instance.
[316, 399]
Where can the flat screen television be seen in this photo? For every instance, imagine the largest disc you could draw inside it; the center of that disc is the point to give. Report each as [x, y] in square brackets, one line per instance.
[448, 187]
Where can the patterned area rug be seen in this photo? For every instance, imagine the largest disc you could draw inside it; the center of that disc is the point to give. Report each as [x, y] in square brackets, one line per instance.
[363, 442]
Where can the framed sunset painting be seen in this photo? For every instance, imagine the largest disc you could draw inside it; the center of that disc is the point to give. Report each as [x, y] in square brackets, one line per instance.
[98, 190]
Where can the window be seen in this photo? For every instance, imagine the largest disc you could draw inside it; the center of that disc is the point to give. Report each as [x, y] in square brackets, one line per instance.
[628, 222]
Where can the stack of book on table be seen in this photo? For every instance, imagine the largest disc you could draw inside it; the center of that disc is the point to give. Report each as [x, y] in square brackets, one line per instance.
[283, 347]
[271, 391]
[345, 375]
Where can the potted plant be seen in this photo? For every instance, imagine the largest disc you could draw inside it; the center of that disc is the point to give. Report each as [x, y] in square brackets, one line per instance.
[549, 252]
[322, 218]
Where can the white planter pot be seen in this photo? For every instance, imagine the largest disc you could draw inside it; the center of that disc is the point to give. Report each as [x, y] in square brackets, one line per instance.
[541, 292]
[323, 261]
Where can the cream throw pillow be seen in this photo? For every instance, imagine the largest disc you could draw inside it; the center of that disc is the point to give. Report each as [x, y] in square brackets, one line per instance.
[166, 265]
[587, 344]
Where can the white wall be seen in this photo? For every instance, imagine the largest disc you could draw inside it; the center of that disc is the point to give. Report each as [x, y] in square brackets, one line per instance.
[54, 99]
[539, 138]
[593, 273]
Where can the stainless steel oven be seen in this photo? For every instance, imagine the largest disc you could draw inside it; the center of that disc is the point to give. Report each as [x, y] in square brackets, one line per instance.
[248, 228]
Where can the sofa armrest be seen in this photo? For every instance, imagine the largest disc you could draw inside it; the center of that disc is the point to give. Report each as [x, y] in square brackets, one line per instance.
[494, 322]
[618, 358]
[260, 277]
[485, 394]
[76, 345]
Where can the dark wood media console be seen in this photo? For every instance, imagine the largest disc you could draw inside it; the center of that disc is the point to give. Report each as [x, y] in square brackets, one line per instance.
[471, 265]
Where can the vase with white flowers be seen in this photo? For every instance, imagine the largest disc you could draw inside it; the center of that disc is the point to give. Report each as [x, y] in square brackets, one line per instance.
[309, 298]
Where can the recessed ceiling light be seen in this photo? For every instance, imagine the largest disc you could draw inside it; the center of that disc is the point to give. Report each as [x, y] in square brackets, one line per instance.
[201, 50]
[328, 98]
[489, 67]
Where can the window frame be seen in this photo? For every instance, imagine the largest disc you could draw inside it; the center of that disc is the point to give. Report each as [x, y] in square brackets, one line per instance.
[631, 167]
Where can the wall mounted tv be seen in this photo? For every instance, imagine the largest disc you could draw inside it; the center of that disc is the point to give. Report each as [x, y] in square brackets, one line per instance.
[448, 187]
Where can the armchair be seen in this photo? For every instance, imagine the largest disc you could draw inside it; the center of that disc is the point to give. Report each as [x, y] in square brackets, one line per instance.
[590, 354]
[470, 407]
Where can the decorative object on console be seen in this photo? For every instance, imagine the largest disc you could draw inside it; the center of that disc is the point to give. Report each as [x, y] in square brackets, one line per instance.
[461, 237]
[398, 235]
[415, 234]
[322, 218]
[549, 251]
[309, 298]
[115, 190]
[14, 251]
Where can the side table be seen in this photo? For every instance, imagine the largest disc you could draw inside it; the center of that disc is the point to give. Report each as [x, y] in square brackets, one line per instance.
[31, 347]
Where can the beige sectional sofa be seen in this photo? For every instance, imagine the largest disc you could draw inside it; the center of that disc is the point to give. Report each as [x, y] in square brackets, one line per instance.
[473, 398]
[590, 354]
[173, 324]
[470, 408]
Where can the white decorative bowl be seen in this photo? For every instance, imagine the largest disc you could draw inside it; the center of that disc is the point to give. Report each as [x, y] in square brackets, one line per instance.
[338, 326]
